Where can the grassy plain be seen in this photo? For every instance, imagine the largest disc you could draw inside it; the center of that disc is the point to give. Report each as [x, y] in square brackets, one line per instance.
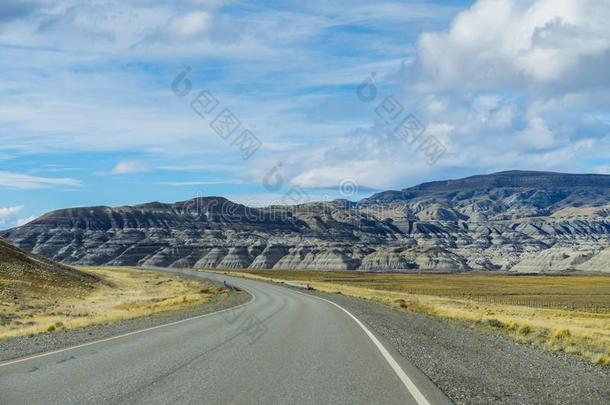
[569, 313]
[123, 294]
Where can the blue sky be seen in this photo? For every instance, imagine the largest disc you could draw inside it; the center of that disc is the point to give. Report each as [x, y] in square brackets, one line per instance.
[88, 115]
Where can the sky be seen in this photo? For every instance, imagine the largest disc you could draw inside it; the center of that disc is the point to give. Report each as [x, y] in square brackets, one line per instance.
[120, 102]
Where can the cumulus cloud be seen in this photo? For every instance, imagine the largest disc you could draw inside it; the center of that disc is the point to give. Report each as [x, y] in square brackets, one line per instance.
[511, 84]
[516, 43]
[10, 216]
[505, 84]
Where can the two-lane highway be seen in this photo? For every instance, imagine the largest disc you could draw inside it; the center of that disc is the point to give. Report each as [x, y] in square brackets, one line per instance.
[281, 347]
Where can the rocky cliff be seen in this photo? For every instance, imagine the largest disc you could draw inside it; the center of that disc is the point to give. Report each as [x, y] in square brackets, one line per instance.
[521, 221]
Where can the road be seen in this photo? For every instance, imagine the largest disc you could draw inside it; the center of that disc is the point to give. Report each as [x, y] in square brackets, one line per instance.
[282, 347]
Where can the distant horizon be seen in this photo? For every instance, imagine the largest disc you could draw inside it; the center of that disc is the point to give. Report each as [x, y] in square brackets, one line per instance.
[311, 200]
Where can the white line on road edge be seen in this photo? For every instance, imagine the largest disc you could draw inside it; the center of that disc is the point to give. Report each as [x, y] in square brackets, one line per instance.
[8, 363]
[415, 392]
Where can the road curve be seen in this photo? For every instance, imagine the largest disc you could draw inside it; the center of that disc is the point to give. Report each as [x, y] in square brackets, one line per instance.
[283, 347]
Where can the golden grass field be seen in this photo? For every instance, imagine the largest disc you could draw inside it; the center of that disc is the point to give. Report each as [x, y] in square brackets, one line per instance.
[569, 313]
[123, 294]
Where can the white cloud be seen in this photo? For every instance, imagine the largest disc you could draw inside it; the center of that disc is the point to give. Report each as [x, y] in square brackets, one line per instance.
[9, 214]
[512, 84]
[110, 27]
[9, 217]
[500, 43]
[189, 25]
[28, 182]
[130, 167]
[535, 136]
[73, 83]
[520, 79]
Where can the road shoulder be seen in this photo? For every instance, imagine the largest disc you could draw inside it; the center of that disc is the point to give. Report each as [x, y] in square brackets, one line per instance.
[30, 345]
[473, 366]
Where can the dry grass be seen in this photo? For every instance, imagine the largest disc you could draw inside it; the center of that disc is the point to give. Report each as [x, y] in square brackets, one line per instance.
[124, 294]
[562, 313]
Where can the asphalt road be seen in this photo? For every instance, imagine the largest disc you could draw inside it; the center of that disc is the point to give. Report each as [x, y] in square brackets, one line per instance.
[283, 347]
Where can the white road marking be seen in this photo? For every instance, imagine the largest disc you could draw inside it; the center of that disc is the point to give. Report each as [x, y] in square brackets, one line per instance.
[37, 356]
[404, 378]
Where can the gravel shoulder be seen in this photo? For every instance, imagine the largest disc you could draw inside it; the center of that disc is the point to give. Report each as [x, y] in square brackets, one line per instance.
[29, 345]
[474, 366]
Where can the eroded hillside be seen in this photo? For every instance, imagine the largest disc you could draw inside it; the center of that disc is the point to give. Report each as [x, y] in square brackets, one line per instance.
[521, 221]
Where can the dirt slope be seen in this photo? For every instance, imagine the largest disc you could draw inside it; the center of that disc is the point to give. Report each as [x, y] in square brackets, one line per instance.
[19, 270]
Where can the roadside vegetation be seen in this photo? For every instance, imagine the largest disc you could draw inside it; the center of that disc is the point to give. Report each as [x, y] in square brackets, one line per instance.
[119, 293]
[569, 313]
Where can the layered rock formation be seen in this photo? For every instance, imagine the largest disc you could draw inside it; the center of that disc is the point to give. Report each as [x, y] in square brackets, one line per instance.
[524, 221]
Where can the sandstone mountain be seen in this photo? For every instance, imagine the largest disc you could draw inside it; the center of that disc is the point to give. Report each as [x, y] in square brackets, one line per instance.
[518, 221]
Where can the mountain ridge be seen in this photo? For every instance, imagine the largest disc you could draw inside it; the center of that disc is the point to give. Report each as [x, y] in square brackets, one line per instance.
[483, 222]
[502, 179]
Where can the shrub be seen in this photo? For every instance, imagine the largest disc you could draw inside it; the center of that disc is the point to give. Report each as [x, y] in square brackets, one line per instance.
[562, 334]
[51, 328]
[524, 330]
[402, 303]
[494, 323]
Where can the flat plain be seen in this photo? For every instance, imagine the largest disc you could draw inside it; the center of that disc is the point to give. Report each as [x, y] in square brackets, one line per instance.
[569, 313]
